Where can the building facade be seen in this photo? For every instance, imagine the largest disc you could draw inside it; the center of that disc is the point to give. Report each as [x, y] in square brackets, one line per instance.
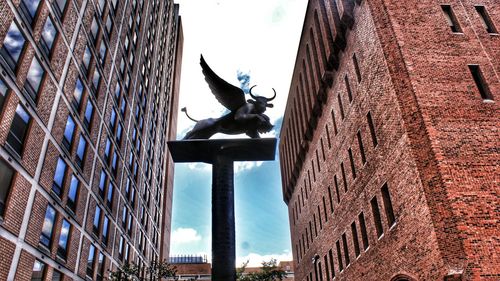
[88, 100]
[389, 144]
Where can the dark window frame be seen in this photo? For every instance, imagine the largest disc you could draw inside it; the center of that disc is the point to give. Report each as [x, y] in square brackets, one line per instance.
[18, 148]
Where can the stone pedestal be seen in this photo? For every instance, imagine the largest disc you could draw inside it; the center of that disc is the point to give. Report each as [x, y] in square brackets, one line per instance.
[222, 154]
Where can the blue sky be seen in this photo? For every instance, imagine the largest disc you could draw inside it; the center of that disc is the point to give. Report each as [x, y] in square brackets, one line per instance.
[258, 38]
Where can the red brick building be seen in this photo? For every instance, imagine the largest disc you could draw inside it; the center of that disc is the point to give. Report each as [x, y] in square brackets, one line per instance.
[390, 142]
[87, 92]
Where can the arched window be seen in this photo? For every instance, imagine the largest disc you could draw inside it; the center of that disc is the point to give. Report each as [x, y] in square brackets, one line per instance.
[402, 277]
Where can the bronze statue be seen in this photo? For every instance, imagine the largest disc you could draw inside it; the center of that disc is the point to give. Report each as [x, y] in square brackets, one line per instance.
[246, 117]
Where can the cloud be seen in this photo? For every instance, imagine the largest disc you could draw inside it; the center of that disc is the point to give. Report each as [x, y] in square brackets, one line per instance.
[244, 79]
[248, 165]
[185, 235]
[255, 260]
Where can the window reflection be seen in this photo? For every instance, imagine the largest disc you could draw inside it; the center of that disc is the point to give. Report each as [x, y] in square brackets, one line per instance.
[13, 45]
[59, 177]
[77, 94]
[34, 78]
[29, 9]
[48, 226]
[87, 55]
[49, 34]
[73, 192]
[62, 246]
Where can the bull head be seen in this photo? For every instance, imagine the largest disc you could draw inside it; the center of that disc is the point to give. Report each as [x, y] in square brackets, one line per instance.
[261, 101]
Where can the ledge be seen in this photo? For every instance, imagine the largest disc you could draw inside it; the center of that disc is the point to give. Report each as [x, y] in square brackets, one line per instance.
[186, 151]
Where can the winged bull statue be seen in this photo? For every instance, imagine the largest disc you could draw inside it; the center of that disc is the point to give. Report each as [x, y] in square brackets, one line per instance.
[245, 116]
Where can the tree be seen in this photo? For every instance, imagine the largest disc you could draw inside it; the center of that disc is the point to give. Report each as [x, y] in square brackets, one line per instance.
[269, 272]
[155, 271]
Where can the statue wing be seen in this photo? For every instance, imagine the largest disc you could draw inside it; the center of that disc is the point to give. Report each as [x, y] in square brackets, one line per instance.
[228, 95]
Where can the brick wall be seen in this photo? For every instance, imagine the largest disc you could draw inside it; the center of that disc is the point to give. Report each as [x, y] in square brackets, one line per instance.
[434, 149]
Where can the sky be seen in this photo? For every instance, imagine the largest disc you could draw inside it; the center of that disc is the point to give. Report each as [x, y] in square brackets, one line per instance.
[246, 43]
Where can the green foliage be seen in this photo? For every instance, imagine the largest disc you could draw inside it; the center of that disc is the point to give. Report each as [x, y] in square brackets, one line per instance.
[269, 272]
[156, 271]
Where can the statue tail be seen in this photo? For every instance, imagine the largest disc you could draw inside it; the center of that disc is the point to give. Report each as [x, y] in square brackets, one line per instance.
[185, 111]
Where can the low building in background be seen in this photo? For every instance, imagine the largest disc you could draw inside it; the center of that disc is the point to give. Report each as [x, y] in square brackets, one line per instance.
[193, 267]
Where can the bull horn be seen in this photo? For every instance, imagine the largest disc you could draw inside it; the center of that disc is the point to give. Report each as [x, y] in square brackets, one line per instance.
[254, 97]
[270, 99]
[250, 92]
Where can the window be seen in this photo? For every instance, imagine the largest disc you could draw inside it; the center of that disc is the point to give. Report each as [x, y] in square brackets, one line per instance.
[372, 129]
[97, 220]
[335, 130]
[73, 192]
[87, 56]
[341, 107]
[120, 248]
[102, 52]
[451, 19]
[336, 187]
[324, 210]
[107, 149]
[109, 198]
[48, 37]
[100, 267]
[351, 159]
[346, 250]
[109, 26]
[355, 240]
[102, 183]
[376, 217]
[18, 130]
[89, 112]
[361, 148]
[90, 261]
[4, 91]
[59, 176]
[29, 9]
[123, 106]
[101, 6]
[57, 276]
[485, 18]
[34, 79]
[48, 227]
[69, 132]
[96, 79]
[77, 94]
[389, 212]
[62, 246]
[60, 7]
[112, 119]
[6, 175]
[119, 133]
[330, 198]
[114, 3]
[344, 178]
[38, 271]
[339, 256]
[327, 271]
[332, 265]
[80, 152]
[94, 29]
[356, 67]
[364, 234]
[105, 230]
[481, 84]
[348, 88]
[117, 92]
